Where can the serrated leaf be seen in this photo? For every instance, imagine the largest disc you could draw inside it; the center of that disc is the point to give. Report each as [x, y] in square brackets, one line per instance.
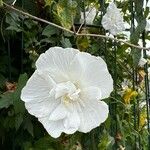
[18, 121]
[14, 28]
[50, 30]
[66, 42]
[66, 11]
[6, 100]
[106, 141]
[18, 104]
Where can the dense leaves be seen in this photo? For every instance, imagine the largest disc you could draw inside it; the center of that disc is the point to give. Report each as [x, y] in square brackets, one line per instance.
[22, 40]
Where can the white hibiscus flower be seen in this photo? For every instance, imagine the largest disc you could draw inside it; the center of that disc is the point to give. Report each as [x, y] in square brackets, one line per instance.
[147, 28]
[113, 20]
[64, 92]
[142, 60]
[89, 16]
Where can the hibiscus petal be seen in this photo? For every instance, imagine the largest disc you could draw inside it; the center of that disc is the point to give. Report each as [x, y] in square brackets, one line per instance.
[72, 121]
[37, 88]
[113, 20]
[93, 114]
[88, 71]
[91, 93]
[59, 113]
[43, 108]
[56, 60]
[54, 128]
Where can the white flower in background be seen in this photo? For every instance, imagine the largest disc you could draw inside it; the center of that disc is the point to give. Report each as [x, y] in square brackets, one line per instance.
[149, 70]
[147, 28]
[89, 16]
[125, 84]
[142, 62]
[113, 20]
[64, 92]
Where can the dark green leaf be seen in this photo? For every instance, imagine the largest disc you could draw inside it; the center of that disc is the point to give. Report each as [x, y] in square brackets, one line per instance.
[18, 104]
[18, 121]
[6, 100]
[49, 30]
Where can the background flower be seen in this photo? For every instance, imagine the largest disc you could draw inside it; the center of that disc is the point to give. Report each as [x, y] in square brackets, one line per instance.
[89, 15]
[64, 91]
[113, 20]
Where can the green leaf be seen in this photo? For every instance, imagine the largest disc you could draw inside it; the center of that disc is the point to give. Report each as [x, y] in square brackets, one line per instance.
[6, 100]
[66, 11]
[106, 141]
[146, 13]
[15, 28]
[48, 2]
[18, 121]
[50, 30]
[66, 42]
[2, 80]
[83, 43]
[44, 143]
[28, 126]
[1, 3]
[18, 104]
[136, 55]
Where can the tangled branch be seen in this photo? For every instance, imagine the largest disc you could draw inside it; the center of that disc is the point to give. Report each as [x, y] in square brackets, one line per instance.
[73, 32]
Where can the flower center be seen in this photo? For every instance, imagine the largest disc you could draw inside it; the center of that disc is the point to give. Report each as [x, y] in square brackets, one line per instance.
[67, 91]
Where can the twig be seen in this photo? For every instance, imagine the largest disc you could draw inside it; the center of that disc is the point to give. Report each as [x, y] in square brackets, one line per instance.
[67, 30]
[37, 18]
[14, 2]
[111, 38]
[84, 20]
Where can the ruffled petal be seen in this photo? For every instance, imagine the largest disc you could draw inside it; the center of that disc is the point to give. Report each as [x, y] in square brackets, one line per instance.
[113, 20]
[72, 121]
[59, 113]
[93, 114]
[91, 93]
[56, 60]
[43, 108]
[37, 88]
[54, 128]
[87, 70]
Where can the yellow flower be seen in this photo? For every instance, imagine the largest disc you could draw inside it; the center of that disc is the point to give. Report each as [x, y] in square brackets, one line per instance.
[129, 95]
[142, 120]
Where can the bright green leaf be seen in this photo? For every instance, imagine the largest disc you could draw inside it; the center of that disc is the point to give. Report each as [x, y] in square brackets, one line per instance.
[1, 3]
[48, 2]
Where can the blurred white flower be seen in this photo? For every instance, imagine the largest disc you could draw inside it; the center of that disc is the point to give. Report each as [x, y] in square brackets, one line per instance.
[64, 92]
[89, 16]
[142, 104]
[142, 62]
[147, 28]
[125, 84]
[113, 20]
